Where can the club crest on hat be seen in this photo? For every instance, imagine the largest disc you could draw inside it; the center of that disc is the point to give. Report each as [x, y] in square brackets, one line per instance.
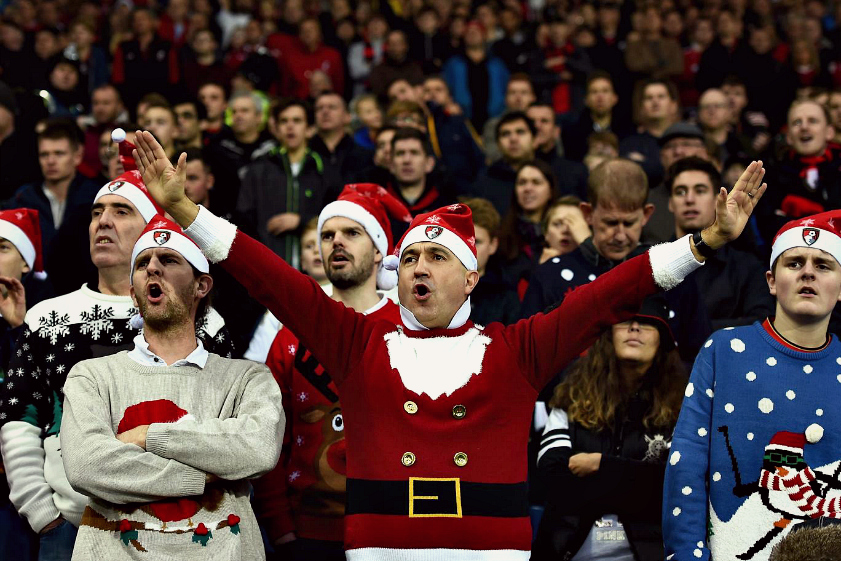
[810, 235]
[433, 232]
[161, 237]
[115, 185]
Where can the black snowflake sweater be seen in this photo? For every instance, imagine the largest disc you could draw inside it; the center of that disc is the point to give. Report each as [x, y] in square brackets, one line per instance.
[58, 333]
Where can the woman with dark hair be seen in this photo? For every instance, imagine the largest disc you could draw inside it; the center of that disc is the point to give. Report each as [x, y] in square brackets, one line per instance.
[521, 239]
[604, 448]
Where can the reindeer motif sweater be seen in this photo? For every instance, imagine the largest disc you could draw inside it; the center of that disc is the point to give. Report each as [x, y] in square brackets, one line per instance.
[437, 421]
[223, 419]
[305, 493]
[747, 387]
[57, 334]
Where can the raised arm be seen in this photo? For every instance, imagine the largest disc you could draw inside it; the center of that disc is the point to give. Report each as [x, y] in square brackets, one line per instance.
[99, 465]
[336, 335]
[546, 343]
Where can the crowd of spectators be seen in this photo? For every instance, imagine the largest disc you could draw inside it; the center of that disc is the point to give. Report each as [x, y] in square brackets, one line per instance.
[579, 132]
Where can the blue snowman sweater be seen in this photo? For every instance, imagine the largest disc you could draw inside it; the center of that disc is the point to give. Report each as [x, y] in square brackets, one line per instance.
[720, 501]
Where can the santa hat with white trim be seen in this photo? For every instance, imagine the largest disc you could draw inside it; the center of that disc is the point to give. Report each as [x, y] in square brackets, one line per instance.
[372, 207]
[161, 232]
[130, 184]
[449, 226]
[794, 442]
[22, 228]
[820, 231]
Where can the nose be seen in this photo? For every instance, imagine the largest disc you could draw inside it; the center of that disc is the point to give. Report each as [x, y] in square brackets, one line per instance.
[421, 267]
[634, 326]
[621, 235]
[154, 266]
[808, 270]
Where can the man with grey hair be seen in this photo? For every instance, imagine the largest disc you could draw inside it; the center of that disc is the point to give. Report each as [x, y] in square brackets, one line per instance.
[237, 145]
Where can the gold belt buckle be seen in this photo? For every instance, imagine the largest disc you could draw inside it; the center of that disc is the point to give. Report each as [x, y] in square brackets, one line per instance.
[455, 489]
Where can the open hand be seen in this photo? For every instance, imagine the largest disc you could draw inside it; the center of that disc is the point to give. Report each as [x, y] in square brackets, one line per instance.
[164, 181]
[732, 210]
[284, 222]
[12, 301]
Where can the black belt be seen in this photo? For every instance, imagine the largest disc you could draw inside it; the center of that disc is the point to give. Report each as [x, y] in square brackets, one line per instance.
[430, 497]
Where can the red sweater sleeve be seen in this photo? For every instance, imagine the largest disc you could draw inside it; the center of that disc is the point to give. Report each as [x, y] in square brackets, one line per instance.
[271, 492]
[336, 335]
[547, 343]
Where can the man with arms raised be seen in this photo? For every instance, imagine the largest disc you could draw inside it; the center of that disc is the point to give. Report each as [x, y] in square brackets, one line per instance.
[163, 438]
[303, 498]
[437, 409]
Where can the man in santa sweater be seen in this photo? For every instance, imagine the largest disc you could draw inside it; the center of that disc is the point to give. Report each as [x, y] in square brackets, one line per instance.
[436, 411]
[302, 501]
[741, 474]
[163, 438]
[60, 332]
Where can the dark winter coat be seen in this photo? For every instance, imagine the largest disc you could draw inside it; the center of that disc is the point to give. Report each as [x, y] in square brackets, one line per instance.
[496, 183]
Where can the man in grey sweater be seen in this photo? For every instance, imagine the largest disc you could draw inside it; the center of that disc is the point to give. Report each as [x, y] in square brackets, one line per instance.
[163, 438]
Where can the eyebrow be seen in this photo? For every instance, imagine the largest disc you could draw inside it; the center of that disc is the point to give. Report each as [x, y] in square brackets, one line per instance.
[101, 206]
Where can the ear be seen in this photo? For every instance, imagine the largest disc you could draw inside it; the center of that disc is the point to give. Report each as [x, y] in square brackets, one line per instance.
[378, 257]
[493, 246]
[26, 268]
[471, 279]
[78, 156]
[772, 283]
[647, 211]
[204, 285]
[587, 211]
[830, 133]
[211, 181]
[429, 165]
[133, 295]
[671, 205]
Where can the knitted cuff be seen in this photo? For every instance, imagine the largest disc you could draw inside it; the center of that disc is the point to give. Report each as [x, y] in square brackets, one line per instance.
[672, 262]
[193, 482]
[41, 514]
[157, 438]
[214, 235]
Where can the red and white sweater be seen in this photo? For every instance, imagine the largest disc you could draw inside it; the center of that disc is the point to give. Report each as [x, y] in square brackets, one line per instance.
[436, 421]
[305, 492]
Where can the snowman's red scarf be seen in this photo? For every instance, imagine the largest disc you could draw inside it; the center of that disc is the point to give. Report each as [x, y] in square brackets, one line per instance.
[799, 489]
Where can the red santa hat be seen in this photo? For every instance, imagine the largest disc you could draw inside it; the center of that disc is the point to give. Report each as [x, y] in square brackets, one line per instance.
[161, 232]
[820, 231]
[450, 226]
[372, 207]
[22, 228]
[794, 442]
[130, 184]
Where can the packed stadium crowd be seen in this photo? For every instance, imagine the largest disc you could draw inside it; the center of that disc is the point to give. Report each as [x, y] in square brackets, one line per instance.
[515, 196]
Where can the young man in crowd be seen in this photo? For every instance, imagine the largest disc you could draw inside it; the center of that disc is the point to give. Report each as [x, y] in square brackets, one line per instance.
[62, 200]
[729, 279]
[515, 135]
[570, 176]
[106, 109]
[343, 158]
[657, 111]
[433, 416]
[755, 450]
[189, 114]
[413, 182]
[808, 172]
[212, 96]
[493, 299]
[519, 95]
[287, 187]
[91, 322]
[599, 115]
[162, 439]
[616, 211]
[200, 179]
[304, 512]
[160, 120]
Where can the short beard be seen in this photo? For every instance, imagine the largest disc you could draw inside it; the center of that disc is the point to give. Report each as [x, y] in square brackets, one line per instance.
[171, 317]
[354, 277]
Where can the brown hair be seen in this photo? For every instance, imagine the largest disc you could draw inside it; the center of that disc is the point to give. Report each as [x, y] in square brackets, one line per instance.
[399, 107]
[593, 392]
[566, 200]
[312, 224]
[618, 182]
[605, 137]
[511, 240]
[484, 214]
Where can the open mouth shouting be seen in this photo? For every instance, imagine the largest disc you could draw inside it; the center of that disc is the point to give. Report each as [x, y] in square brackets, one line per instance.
[421, 292]
[154, 293]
